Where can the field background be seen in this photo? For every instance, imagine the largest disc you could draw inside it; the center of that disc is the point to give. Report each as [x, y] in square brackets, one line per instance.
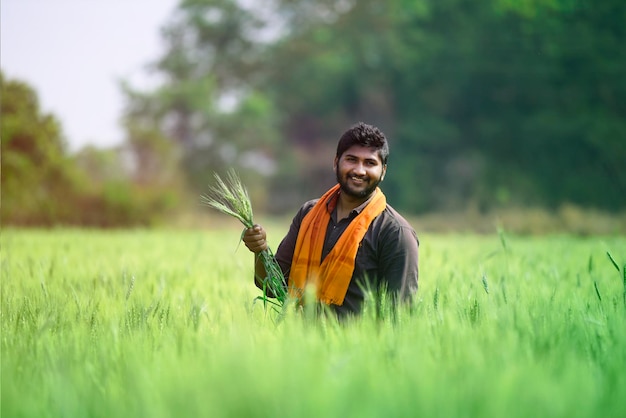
[160, 323]
[122, 297]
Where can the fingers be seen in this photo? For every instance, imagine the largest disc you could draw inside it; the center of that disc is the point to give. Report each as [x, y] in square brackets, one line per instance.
[255, 239]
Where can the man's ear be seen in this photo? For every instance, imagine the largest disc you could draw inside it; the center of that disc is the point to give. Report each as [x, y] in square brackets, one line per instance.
[382, 176]
[335, 164]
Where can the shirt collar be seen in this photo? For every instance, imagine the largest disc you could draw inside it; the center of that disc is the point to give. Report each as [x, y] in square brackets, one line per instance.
[331, 206]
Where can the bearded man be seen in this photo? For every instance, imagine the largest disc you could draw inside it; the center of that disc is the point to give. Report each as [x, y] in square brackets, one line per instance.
[349, 241]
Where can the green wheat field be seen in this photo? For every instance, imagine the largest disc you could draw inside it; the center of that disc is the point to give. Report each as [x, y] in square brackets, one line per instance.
[164, 323]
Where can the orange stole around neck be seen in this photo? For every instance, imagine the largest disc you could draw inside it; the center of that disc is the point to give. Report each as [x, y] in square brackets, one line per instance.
[332, 276]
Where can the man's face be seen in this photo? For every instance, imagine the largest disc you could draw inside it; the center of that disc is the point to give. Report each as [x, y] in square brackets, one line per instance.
[359, 170]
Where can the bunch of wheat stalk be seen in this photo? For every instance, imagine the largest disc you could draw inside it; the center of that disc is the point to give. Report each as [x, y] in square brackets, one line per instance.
[231, 198]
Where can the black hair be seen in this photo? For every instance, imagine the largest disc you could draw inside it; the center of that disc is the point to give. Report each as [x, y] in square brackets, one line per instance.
[367, 136]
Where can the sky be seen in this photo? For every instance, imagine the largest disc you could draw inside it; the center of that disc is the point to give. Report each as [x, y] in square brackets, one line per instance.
[73, 53]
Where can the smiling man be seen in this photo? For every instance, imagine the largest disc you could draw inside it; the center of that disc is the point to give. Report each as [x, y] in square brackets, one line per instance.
[349, 240]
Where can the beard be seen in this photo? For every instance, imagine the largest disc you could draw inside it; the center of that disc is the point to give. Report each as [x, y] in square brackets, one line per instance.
[346, 187]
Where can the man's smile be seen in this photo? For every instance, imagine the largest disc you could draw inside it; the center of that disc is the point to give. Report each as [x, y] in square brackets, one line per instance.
[358, 180]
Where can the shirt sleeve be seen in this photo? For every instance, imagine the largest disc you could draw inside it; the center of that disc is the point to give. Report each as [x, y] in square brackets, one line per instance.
[399, 262]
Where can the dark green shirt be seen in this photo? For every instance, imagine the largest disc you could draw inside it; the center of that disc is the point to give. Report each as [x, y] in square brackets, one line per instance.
[387, 257]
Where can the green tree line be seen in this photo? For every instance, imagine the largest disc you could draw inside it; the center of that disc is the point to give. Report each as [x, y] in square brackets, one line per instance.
[44, 185]
[493, 103]
[489, 104]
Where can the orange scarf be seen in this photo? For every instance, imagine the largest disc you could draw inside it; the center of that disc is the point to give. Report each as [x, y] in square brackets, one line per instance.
[332, 276]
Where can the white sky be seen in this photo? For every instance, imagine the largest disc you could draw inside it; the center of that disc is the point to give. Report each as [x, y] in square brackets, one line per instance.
[73, 52]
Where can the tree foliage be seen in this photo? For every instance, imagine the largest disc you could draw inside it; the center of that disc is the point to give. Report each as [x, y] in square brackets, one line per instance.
[34, 170]
[209, 106]
[485, 103]
[43, 185]
[491, 103]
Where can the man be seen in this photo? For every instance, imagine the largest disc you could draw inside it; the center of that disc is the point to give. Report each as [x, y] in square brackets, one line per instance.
[350, 240]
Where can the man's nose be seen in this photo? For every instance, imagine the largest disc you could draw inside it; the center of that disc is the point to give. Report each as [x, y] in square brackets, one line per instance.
[359, 169]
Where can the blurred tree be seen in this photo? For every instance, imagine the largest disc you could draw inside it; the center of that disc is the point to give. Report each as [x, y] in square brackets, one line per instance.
[36, 175]
[495, 103]
[485, 103]
[369, 61]
[208, 104]
[100, 165]
[548, 116]
[42, 185]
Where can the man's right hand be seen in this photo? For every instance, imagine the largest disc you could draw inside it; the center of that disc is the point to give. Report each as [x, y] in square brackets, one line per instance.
[255, 239]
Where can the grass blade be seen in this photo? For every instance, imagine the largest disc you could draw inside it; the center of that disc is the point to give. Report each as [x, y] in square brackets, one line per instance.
[231, 197]
[613, 261]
